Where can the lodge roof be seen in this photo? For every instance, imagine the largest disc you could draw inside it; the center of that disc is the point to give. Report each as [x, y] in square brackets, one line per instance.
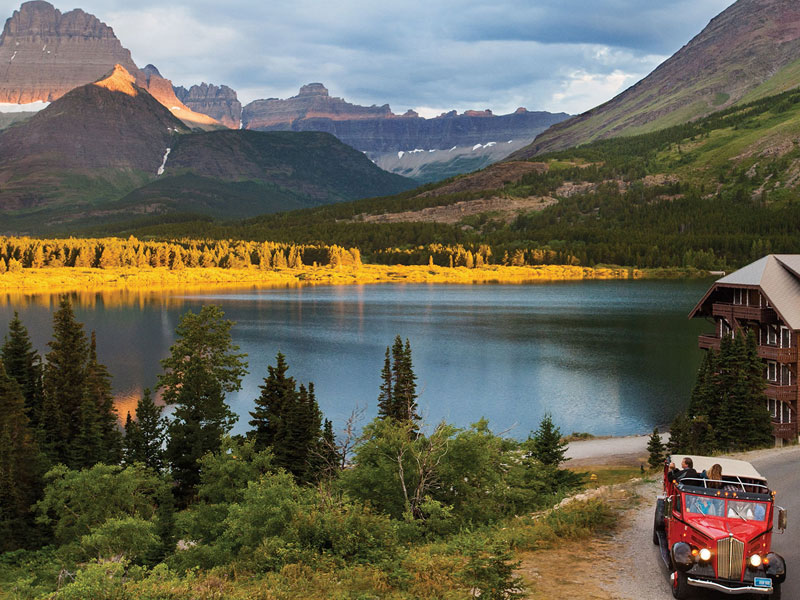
[778, 277]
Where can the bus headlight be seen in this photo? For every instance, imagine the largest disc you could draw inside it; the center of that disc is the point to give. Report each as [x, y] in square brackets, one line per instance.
[755, 561]
[705, 554]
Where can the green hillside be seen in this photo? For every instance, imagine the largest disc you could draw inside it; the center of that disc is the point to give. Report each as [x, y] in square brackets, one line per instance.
[714, 193]
[747, 52]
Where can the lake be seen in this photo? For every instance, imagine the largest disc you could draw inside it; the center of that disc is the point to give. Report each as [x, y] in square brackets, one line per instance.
[604, 357]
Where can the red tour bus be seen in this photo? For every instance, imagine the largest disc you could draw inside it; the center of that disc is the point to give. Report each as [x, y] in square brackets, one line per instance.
[717, 533]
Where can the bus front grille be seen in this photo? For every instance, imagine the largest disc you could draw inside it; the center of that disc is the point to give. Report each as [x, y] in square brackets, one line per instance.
[730, 556]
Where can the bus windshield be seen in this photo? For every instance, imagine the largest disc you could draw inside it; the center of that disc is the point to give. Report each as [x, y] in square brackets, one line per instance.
[736, 509]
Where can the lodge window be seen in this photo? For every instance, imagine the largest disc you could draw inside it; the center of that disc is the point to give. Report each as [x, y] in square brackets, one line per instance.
[781, 412]
[772, 371]
[786, 337]
[786, 375]
[739, 296]
[772, 336]
[725, 329]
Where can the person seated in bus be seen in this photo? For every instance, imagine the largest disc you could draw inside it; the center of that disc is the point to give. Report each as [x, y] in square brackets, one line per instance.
[713, 476]
[686, 471]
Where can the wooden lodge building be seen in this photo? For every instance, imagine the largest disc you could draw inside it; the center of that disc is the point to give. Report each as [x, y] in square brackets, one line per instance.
[765, 296]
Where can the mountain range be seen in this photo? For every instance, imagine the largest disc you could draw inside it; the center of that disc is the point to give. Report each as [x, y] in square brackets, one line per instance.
[44, 54]
[423, 149]
[109, 150]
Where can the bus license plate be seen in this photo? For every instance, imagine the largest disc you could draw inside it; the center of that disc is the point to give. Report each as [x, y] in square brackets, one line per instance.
[763, 582]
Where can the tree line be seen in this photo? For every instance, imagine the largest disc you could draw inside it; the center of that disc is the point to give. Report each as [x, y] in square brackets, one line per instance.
[289, 491]
[31, 253]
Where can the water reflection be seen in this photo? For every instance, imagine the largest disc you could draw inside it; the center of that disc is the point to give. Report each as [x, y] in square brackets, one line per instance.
[607, 357]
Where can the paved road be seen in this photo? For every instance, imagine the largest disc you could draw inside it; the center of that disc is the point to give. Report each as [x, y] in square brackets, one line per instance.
[782, 470]
[638, 573]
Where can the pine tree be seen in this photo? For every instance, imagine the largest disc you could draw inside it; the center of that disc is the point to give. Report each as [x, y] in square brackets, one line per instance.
[656, 450]
[678, 435]
[757, 428]
[64, 386]
[546, 444]
[202, 367]
[277, 393]
[23, 364]
[330, 457]
[145, 437]
[385, 397]
[289, 421]
[100, 401]
[404, 394]
[20, 468]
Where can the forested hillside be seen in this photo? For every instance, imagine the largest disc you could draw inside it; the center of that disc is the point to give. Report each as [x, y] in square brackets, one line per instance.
[715, 193]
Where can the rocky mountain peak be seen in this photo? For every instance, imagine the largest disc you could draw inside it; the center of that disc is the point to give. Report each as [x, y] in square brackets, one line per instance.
[313, 89]
[40, 20]
[219, 102]
[119, 80]
[151, 70]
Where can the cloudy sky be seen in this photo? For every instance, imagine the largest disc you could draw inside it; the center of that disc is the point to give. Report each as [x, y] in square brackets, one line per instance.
[433, 56]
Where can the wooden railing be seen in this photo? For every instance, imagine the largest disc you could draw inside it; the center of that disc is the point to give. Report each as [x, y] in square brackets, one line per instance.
[740, 311]
[786, 431]
[708, 341]
[784, 355]
[784, 393]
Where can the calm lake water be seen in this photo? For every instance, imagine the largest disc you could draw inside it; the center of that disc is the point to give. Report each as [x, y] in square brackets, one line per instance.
[605, 357]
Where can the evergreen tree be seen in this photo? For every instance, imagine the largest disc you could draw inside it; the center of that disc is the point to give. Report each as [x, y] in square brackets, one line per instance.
[23, 364]
[546, 444]
[330, 457]
[145, 436]
[398, 392]
[678, 435]
[278, 392]
[100, 403]
[758, 421]
[20, 468]
[385, 397]
[288, 421]
[202, 367]
[64, 380]
[656, 450]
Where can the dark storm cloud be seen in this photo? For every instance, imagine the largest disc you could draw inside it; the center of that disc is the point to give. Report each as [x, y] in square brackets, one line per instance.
[435, 54]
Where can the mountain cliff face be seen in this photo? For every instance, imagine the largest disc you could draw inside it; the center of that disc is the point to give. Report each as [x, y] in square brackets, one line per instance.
[110, 151]
[749, 51]
[312, 102]
[425, 149]
[109, 125]
[44, 54]
[220, 103]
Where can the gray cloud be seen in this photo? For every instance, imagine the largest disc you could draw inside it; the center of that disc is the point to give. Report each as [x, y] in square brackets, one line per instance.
[440, 54]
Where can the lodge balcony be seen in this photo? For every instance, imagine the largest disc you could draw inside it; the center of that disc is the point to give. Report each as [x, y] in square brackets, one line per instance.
[743, 312]
[708, 341]
[782, 355]
[782, 393]
[786, 431]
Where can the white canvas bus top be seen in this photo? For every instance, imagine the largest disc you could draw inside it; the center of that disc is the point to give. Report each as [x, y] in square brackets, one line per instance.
[730, 467]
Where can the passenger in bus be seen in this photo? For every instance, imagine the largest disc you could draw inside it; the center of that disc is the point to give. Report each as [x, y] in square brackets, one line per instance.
[713, 476]
[686, 470]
